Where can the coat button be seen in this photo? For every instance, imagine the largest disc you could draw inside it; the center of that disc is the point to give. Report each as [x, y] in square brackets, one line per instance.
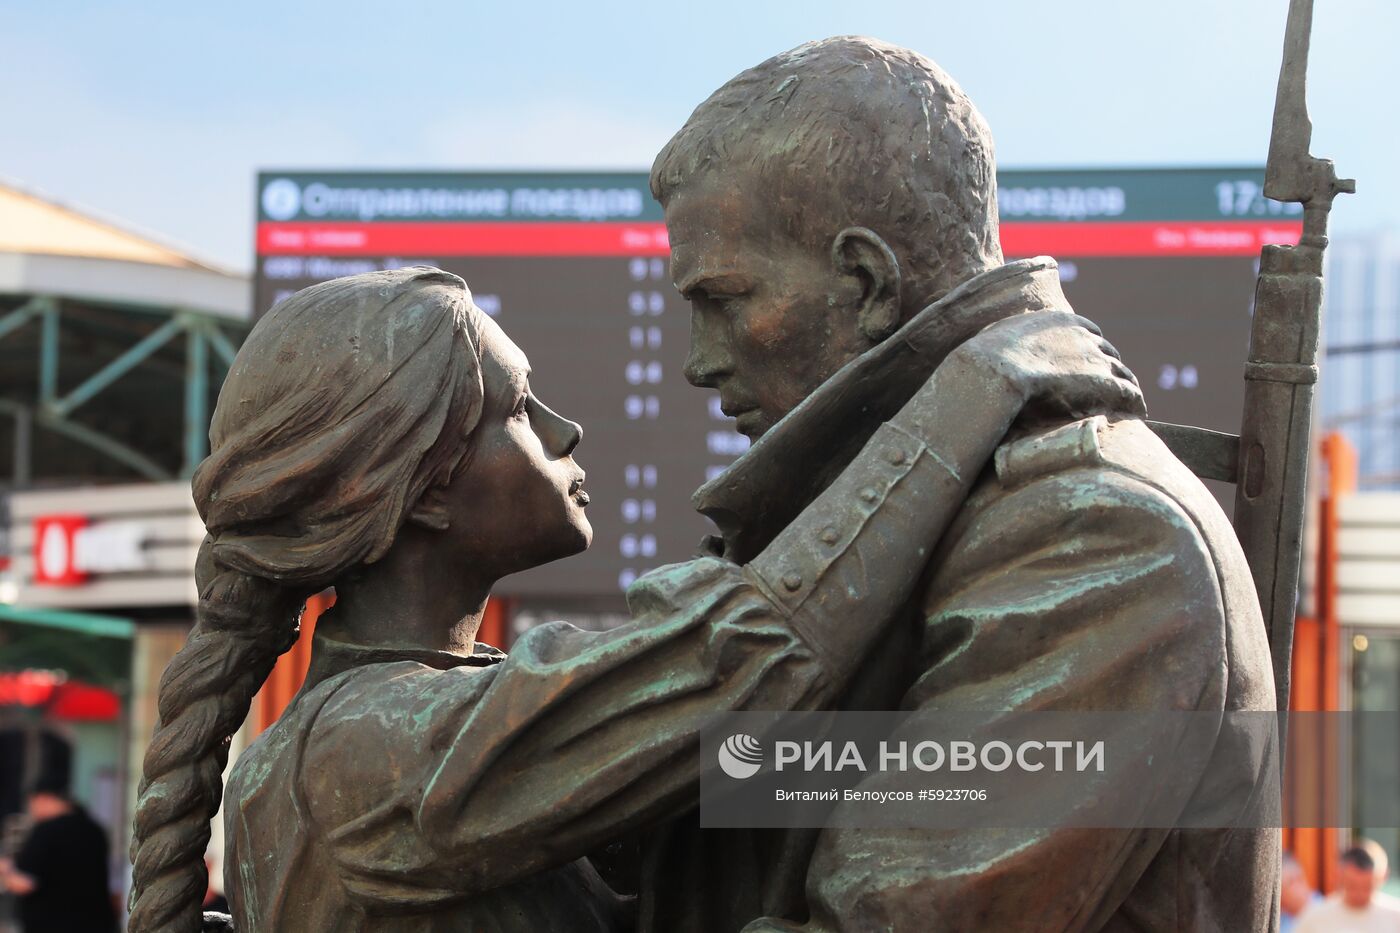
[829, 535]
[792, 582]
[868, 494]
[898, 456]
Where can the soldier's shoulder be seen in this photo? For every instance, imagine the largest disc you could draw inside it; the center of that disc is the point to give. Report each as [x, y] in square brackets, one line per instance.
[1096, 486]
[1104, 472]
[1104, 467]
[1095, 445]
[1048, 451]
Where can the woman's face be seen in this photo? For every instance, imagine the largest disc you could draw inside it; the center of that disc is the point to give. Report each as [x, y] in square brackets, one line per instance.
[519, 502]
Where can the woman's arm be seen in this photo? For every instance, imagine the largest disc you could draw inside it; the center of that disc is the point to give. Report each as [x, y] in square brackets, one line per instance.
[483, 777]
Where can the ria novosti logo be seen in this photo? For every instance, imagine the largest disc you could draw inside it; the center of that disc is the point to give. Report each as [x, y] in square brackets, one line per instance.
[740, 756]
[281, 199]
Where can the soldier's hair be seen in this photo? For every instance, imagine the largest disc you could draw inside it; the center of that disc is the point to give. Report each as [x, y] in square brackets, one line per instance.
[346, 403]
[850, 131]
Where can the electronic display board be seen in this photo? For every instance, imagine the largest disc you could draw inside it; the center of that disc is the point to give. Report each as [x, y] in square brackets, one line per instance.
[574, 268]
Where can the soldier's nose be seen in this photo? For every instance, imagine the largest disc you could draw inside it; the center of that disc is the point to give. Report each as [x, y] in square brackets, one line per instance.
[700, 369]
[709, 357]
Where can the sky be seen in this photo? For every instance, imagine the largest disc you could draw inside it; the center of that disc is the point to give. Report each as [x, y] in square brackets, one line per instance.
[158, 114]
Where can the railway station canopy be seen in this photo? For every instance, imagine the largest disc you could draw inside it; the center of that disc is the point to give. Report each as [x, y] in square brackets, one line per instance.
[112, 348]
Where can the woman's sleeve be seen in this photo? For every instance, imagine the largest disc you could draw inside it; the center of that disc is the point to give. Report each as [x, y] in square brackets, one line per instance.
[469, 779]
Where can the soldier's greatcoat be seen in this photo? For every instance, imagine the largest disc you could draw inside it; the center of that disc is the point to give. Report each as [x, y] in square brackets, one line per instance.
[1088, 571]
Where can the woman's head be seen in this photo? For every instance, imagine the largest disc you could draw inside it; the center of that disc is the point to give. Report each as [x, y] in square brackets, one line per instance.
[368, 401]
[356, 408]
[347, 401]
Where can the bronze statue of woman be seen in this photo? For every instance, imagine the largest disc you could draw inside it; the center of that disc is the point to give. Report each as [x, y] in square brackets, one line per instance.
[378, 434]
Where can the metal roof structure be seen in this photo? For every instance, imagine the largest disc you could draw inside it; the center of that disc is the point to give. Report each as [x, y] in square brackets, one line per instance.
[112, 348]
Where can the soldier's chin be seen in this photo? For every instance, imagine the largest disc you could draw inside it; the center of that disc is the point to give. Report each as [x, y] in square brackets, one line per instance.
[753, 424]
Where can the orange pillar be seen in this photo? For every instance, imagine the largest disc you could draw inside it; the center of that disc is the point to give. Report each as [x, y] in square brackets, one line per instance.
[493, 624]
[1317, 667]
[290, 670]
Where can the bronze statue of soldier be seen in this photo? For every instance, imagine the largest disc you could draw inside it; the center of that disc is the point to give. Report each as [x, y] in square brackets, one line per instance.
[832, 216]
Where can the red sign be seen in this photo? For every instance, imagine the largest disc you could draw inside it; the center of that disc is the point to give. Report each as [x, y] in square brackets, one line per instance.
[55, 550]
[58, 696]
[1018, 238]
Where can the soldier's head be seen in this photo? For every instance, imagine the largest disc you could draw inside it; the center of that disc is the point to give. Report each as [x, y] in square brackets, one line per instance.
[814, 203]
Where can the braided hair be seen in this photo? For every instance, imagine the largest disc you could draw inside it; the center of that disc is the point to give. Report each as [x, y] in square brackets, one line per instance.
[346, 403]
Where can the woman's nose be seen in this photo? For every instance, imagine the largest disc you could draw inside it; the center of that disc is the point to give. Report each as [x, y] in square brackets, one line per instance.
[559, 435]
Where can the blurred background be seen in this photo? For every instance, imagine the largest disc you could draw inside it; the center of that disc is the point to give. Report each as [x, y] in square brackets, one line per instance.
[168, 173]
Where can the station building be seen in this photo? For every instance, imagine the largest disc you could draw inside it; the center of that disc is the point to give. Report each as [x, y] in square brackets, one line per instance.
[112, 349]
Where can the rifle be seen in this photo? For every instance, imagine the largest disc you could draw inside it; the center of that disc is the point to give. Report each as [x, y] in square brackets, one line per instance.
[1282, 368]
[1268, 462]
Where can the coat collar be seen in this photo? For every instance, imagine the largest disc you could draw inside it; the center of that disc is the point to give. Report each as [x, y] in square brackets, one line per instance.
[766, 488]
[330, 657]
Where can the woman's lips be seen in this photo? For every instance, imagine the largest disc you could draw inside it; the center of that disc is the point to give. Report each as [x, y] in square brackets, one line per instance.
[577, 492]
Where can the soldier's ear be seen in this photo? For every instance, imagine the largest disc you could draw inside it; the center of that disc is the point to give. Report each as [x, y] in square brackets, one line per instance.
[862, 253]
[431, 512]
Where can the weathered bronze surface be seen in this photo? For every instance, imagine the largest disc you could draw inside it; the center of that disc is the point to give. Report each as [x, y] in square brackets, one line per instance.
[952, 503]
[377, 433]
[815, 203]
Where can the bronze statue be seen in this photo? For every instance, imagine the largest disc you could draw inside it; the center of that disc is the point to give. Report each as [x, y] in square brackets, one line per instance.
[377, 434]
[832, 214]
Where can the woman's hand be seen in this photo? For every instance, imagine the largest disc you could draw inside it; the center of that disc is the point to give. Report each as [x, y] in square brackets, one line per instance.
[1050, 362]
[1053, 361]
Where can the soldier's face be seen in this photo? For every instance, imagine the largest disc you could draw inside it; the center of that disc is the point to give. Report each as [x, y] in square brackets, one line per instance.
[771, 318]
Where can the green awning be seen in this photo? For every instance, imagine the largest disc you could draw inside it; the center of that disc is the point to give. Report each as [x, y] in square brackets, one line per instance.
[86, 623]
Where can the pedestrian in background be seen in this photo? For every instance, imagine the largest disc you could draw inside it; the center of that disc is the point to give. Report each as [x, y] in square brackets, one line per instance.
[1358, 906]
[1295, 894]
[60, 872]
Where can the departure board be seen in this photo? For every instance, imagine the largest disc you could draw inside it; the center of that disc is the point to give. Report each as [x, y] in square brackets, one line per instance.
[574, 268]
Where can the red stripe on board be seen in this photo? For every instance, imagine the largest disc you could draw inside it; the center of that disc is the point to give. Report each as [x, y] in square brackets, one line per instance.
[1102, 238]
[463, 239]
[1147, 238]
